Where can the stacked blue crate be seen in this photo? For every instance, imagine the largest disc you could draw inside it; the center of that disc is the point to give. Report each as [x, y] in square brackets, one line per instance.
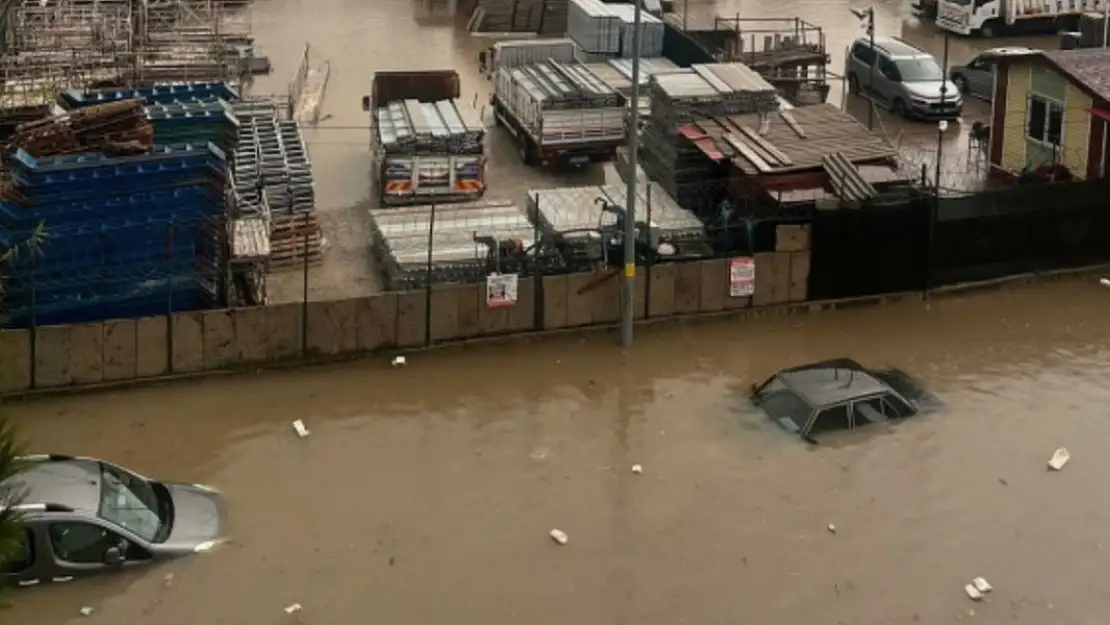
[125, 236]
[203, 91]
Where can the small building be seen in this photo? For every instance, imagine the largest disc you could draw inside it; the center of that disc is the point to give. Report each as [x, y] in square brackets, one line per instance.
[1051, 108]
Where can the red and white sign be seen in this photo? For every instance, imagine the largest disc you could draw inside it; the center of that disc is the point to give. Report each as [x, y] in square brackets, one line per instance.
[741, 277]
[501, 290]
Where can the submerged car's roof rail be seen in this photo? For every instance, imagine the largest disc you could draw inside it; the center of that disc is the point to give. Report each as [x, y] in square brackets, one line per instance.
[38, 507]
[46, 458]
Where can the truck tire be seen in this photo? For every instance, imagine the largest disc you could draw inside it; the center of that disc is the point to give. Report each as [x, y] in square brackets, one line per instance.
[527, 154]
[990, 29]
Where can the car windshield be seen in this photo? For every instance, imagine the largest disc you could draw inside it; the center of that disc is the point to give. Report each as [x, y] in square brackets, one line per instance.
[919, 69]
[783, 405]
[131, 502]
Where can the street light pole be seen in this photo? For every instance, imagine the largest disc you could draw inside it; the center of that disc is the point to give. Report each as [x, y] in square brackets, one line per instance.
[871, 69]
[628, 310]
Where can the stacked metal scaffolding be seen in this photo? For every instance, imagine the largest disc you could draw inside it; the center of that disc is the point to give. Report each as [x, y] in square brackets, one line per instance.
[411, 126]
[65, 44]
[273, 182]
[125, 236]
[683, 96]
[401, 238]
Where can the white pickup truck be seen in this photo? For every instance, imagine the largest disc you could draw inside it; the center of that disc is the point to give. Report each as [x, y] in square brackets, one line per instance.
[558, 111]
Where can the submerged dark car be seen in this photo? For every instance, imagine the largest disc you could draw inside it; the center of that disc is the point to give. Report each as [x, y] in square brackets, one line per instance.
[839, 394]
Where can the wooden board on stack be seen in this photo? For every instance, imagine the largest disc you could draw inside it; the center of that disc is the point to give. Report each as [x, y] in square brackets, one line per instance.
[117, 128]
[294, 241]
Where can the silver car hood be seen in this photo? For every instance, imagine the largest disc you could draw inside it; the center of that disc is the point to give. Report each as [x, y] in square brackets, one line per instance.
[930, 90]
[199, 516]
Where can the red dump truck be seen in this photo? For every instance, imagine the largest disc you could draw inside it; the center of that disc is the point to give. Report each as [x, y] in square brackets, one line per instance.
[428, 146]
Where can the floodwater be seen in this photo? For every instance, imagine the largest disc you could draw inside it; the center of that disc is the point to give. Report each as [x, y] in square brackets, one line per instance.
[359, 37]
[426, 494]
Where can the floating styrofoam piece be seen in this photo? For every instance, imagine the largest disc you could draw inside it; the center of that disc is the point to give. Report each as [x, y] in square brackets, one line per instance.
[399, 361]
[637, 469]
[1059, 458]
[973, 592]
[559, 536]
[1104, 281]
[831, 528]
[292, 609]
[87, 611]
[982, 585]
[300, 429]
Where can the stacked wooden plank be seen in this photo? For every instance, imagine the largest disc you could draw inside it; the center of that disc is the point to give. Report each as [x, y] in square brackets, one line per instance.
[113, 128]
[295, 240]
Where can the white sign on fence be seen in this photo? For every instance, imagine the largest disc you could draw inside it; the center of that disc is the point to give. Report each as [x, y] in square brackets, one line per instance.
[741, 277]
[501, 290]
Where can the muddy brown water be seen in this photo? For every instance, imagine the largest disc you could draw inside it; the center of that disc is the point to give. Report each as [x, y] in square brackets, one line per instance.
[425, 494]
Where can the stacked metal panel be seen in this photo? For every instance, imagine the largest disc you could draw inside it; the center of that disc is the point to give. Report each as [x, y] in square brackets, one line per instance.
[564, 86]
[682, 96]
[414, 127]
[651, 31]
[594, 27]
[400, 241]
[573, 216]
[126, 236]
[701, 91]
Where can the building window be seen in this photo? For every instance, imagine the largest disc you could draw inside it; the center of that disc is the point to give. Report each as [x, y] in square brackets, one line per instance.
[1045, 122]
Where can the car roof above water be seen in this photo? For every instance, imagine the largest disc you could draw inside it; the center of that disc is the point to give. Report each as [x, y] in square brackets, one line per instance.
[896, 48]
[832, 382]
[74, 483]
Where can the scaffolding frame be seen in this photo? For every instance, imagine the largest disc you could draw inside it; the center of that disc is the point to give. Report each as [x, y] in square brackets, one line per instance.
[56, 45]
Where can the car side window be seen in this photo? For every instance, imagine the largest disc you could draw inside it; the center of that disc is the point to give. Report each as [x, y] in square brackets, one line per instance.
[77, 542]
[863, 52]
[24, 557]
[832, 419]
[888, 69]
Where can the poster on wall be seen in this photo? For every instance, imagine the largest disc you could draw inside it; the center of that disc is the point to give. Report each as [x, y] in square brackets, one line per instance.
[501, 290]
[741, 277]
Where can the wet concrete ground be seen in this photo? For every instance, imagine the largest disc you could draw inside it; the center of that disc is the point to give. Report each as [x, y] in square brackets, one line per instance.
[430, 502]
[360, 37]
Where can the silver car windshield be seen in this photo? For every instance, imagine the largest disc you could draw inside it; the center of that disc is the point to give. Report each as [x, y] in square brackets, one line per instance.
[129, 501]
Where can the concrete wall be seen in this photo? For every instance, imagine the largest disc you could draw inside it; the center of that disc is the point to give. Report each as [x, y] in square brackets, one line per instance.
[128, 349]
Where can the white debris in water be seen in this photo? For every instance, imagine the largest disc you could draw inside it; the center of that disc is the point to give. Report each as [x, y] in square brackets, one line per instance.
[1059, 458]
[1104, 281]
[399, 361]
[973, 592]
[300, 429]
[87, 611]
[831, 528]
[637, 469]
[292, 609]
[982, 585]
[559, 536]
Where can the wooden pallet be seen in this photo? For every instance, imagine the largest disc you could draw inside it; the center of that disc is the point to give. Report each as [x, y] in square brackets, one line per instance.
[295, 239]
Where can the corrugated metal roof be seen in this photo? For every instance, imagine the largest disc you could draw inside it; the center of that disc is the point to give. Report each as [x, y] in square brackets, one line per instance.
[786, 142]
[847, 181]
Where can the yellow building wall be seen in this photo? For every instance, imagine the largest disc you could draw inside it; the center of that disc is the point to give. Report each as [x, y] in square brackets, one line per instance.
[1018, 82]
[1017, 151]
[1077, 131]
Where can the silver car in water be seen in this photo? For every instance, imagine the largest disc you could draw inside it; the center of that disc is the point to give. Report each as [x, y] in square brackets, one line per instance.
[84, 516]
[903, 78]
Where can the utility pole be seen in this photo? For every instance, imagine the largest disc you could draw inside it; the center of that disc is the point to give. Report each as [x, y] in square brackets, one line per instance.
[628, 310]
